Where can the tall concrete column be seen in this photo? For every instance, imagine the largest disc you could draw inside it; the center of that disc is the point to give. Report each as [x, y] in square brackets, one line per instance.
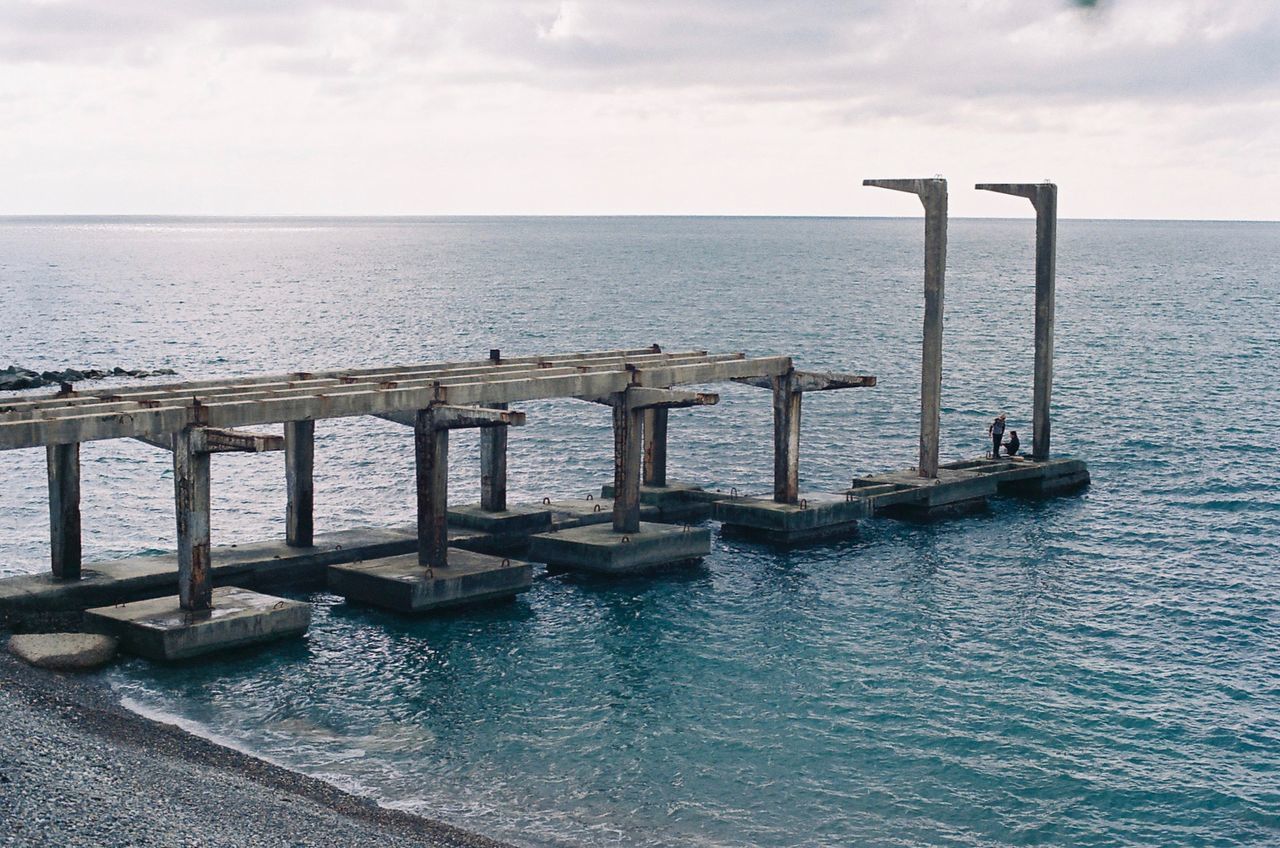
[933, 196]
[64, 510]
[299, 463]
[493, 467]
[191, 498]
[1044, 197]
[628, 425]
[655, 447]
[786, 439]
[431, 454]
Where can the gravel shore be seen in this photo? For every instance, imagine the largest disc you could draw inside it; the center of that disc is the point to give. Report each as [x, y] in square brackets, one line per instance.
[77, 769]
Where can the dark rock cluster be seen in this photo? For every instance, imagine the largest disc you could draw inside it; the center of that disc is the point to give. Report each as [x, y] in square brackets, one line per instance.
[15, 378]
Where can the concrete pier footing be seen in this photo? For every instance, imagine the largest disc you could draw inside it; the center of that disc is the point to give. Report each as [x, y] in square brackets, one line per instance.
[600, 549]
[515, 520]
[160, 629]
[675, 502]
[402, 584]
[813, 518]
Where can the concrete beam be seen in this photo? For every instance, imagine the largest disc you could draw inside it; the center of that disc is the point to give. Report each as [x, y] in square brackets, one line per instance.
[191, 499]
[299, 465]
[640, 397]
[462, 391]
[1044, 197]
[64, 510]
[816, 381]
[933, 196]
[447, 417]
[223, 441]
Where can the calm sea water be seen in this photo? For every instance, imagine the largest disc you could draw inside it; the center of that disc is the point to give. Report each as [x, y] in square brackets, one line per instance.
[1095, 670]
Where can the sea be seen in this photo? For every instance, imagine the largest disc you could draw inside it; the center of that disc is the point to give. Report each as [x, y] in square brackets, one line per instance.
[1101, 669]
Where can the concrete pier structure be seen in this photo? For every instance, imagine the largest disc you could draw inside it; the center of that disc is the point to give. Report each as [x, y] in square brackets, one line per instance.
[1044, 197]
[64, 510]
[787, 519]
[628, 546]
[933, 196]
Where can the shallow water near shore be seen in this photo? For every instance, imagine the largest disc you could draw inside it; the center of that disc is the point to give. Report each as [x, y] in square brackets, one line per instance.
[1102, 669]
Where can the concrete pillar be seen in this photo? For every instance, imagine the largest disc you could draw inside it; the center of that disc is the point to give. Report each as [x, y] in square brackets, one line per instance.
[655, 447]
[299, 462]
[786, 439]
[628, 425]
[933, 196]
[1046, 203]
[1044, 197]
[493, 467]
[191, 497]
[64, 510]
[431, 453]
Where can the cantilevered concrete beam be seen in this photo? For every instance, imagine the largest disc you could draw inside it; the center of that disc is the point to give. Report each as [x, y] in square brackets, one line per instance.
[445, 417]
[933, 195]
[641, 397]
[212, 440]
[1044, 197]
[816, 381]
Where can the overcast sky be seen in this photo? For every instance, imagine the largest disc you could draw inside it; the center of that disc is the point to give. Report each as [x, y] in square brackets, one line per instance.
[1137, 108]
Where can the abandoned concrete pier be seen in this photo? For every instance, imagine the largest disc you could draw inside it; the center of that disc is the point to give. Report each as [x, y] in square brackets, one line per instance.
[204, 598]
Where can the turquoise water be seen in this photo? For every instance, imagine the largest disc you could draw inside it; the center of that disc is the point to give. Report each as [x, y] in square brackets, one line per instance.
[1095, 670]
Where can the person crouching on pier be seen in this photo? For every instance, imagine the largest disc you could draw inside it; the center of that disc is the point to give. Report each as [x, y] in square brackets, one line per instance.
[1012, 446]
[996, 430]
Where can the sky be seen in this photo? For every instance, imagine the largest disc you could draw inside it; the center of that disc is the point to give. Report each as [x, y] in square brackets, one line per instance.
[1136, 108]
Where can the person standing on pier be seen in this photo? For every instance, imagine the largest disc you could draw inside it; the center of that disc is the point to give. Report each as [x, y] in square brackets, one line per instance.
[996, 430]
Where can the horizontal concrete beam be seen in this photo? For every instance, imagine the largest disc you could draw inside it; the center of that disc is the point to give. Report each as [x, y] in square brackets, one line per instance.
[222, 441]
[481, 390]
[1027, 190]
[816, 381]
[639, 397]
[460, 417]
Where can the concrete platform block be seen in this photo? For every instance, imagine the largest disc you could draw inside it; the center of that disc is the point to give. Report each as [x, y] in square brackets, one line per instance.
[515, 520]
[160, 630]
[675, 502]
[403, 585]
[600, 550]
[64, 651]
[583, 512]
[817, 517]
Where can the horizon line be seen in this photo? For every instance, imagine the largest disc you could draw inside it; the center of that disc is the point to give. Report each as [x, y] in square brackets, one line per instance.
[7, 216]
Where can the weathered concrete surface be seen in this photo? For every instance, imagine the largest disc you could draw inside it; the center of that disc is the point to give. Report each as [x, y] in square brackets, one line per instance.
[602, 550]
[516, 519]
[403, 585]
[160, 629]
[675, 502]
[581, 512]
[813, 518]
[259, 565]
[951, 493]
[64, 651]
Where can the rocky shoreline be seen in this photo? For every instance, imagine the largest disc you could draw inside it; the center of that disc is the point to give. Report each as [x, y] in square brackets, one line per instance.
[77, 769]
[17, 378]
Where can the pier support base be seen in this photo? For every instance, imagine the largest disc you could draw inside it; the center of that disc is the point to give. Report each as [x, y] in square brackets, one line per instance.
[401, 584]
[953, 492]
[514, 520]
[675, 502]
[600, 549]
[159, 629]
[813, 518]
